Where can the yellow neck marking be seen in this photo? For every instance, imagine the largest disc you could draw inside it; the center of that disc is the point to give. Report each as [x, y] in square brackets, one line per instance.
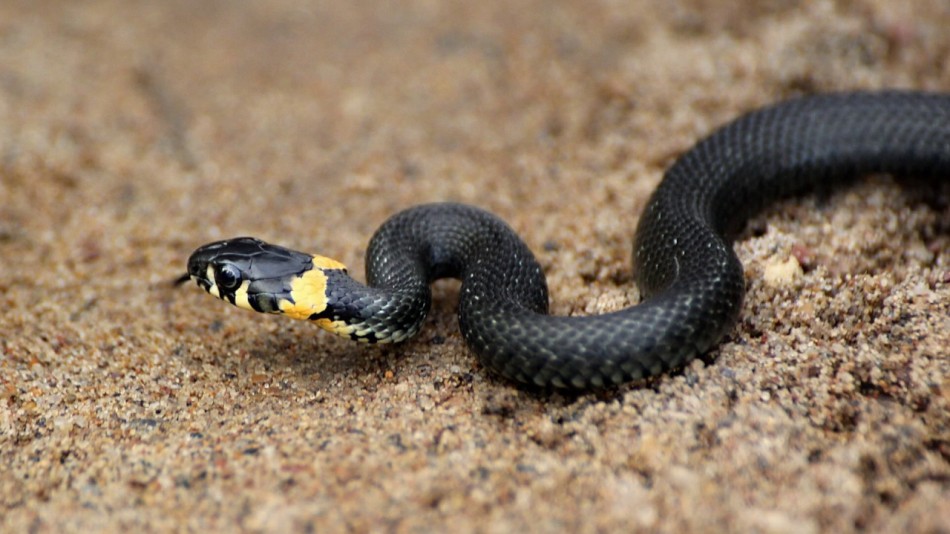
[339, 328]
[322, 262]
[309, 290]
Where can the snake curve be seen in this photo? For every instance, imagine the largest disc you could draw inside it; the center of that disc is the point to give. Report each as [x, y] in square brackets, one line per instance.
[690, 278]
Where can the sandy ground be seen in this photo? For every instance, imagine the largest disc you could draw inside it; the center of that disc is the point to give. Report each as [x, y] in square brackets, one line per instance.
[132, 132]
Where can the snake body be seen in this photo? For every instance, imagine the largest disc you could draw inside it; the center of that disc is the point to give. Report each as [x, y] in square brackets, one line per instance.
[690, 278]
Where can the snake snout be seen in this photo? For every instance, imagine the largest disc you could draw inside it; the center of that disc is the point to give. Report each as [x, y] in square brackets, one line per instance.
[221, 267]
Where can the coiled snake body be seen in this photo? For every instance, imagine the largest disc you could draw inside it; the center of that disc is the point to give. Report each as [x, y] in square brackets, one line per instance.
[690, 278]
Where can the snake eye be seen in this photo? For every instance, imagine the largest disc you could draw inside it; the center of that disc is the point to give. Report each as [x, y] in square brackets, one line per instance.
[228, 277]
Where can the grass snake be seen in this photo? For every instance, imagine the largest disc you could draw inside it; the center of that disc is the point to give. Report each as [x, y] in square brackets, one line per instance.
[689, 276]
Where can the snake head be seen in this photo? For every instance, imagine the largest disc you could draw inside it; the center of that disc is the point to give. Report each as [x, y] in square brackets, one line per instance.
[250, 273]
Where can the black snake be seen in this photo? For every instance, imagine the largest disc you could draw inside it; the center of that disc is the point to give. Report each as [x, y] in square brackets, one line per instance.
[690, 278]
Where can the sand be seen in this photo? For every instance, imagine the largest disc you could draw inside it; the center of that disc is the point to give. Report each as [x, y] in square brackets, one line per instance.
[132, 132]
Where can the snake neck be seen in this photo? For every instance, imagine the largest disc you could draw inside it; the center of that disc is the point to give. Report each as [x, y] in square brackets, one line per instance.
[370, 314]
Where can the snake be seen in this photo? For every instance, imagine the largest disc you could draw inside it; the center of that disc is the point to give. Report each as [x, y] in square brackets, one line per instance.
[690, 280]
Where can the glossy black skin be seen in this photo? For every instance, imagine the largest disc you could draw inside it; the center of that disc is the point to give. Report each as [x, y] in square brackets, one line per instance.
[684, 264]
[690, 278]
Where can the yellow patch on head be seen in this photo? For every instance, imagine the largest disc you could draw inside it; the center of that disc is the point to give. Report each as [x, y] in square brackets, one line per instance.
[240, 296]
[213, 288]
[309, 292]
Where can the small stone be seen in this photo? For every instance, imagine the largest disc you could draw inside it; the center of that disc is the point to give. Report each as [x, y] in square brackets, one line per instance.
[782, 273]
